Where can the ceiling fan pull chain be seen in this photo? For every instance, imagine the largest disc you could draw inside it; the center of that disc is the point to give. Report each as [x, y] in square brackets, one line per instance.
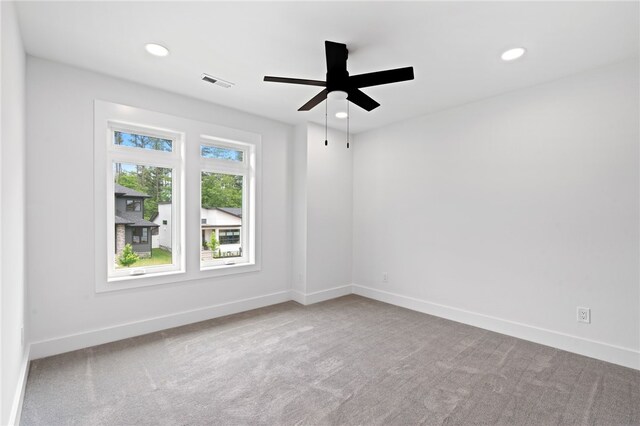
[326, 101]
[348, 118]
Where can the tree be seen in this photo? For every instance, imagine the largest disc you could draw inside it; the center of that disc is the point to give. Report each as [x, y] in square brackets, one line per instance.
[221, 190]
[128, 256]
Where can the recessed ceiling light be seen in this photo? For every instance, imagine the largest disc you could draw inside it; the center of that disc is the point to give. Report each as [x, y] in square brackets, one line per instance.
[156, 49]
[341, 114]
[513, 54]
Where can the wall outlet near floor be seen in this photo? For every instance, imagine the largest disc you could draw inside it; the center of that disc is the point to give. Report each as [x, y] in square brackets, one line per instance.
[584, 315]
[385, 277]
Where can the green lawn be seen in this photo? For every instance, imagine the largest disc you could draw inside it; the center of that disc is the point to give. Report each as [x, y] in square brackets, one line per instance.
[158, 257]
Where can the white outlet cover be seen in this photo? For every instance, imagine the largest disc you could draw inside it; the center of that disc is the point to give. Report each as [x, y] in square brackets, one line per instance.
[584, 315]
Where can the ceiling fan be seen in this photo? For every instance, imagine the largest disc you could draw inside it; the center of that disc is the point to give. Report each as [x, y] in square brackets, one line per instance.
[341, 85]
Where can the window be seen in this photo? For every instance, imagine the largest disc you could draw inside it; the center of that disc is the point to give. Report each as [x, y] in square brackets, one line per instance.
[231, 236]
[133, 205]
[140, 236]
[229, 154]
[143, 177]
[227, 194]
[136, 140]
[146, 165]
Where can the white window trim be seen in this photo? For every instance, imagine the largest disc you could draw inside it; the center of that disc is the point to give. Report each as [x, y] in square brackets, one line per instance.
[191, 131]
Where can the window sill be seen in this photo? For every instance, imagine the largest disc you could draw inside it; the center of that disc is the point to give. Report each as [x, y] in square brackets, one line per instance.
[173, 277]
[220, 270]
[136, 281]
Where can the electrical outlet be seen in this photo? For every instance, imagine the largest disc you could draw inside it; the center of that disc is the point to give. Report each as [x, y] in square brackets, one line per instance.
[584, 315]
[385, 277]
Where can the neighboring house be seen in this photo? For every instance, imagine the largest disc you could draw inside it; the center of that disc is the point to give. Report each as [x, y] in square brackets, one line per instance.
[131, 227]
[225, 222]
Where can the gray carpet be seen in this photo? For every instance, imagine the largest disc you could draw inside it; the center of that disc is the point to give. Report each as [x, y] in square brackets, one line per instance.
[349, 361]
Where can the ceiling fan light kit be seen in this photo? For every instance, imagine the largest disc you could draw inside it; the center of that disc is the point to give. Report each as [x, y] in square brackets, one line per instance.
[339, 85]
[338, 95]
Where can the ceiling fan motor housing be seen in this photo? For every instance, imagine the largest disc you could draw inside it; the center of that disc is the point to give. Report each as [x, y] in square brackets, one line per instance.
[338, 80]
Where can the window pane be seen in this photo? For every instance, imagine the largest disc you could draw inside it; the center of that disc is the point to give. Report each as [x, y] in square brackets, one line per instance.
[229, 237]
[221, 213]
[208, 151]
[142, 141]
[133, 205]
[142, 200]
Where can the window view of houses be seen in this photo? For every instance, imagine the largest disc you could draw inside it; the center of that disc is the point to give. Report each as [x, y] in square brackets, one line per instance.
[220, 229]
[143, 215]
[221, 215]
[138, 191]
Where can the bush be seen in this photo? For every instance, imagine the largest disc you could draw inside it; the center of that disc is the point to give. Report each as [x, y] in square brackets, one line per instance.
[128, 256]
[213, 242]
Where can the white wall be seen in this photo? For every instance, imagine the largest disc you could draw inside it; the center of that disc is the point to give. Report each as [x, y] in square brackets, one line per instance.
[12, 207]
[510, 212]
[299, 211]
[329, 209]
[64, 304]
[322, 214]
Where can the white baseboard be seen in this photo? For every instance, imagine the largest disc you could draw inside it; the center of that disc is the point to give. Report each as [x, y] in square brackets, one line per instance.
[320, 296]
[16, 407]
[122, 331]
[298, 296]
[603, 351]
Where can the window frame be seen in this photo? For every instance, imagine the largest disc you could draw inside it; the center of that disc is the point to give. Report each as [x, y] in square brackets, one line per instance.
[134, 202]
[150, 158]
[247, 169]
[144, 234]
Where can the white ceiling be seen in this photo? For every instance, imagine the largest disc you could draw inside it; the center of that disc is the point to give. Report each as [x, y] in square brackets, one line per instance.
[454, 47]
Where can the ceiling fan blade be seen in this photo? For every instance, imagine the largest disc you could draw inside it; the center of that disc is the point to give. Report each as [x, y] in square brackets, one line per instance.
[381, 77]
[314, 101]
[361, 99]
[336, 56]
[294, 81]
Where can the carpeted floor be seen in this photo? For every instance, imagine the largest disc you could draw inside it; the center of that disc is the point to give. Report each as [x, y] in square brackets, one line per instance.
[350, 361]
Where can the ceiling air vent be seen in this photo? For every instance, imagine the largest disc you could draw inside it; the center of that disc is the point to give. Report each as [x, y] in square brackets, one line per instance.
[217, 81]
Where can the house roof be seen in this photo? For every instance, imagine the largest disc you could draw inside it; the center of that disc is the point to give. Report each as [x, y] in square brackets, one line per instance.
[123, 191]
[122, 221]
[132, 220]
[236, 211]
